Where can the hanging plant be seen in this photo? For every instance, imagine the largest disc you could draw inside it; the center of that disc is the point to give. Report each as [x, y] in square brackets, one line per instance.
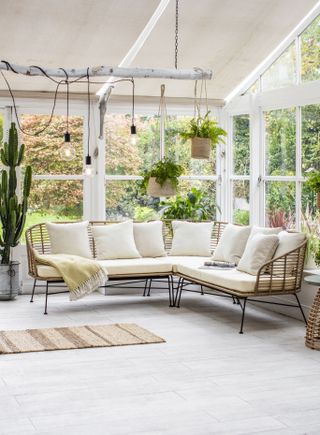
[162, 179]
[205, 134]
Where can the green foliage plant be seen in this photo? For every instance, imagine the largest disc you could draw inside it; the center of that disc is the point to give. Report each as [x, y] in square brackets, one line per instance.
[204, 127]
[194, 206]
[313, 181]
[12, 211]
[164, 170]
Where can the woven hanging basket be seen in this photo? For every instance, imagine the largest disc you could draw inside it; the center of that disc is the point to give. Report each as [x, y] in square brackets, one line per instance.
[154, 188]
[200, 147]
[318, 199]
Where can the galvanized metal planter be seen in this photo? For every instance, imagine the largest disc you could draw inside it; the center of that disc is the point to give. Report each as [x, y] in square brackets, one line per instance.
[9, 281]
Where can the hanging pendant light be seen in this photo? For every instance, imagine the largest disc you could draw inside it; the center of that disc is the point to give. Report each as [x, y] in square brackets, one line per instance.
[67, 151]
[133, 128]
[88, 170]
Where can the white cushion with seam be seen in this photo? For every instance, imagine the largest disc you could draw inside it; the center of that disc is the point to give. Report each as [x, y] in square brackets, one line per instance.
[232, 243]
[132, 266]
[148, 237]
[263, 230]
[115, 241]
[190, 238]
[259, 250]
[70, 238]
[288, 242]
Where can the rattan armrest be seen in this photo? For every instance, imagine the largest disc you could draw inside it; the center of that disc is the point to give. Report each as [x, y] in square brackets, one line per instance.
[282, 274]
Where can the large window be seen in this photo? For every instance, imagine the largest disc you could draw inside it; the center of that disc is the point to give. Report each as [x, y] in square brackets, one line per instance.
[282, 72]
[125, 162]
[240, 180]
[57, 188]
[310, 52]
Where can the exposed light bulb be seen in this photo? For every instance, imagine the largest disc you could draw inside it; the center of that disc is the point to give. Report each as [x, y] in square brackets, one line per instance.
[133, 135]
[88, 170]
[67, 151]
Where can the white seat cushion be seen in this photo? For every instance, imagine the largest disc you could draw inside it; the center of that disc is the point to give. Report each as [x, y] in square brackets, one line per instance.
[47, 271]
[192, 261]
[231, 279]
[136, 266]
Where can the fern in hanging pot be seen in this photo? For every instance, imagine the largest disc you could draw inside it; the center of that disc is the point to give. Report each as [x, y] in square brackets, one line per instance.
[205, 134]
[162, 179]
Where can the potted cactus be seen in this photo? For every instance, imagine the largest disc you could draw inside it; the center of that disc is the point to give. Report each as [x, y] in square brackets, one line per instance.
[12, 213]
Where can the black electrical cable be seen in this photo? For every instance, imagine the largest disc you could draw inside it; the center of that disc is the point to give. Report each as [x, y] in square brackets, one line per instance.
[89, 103]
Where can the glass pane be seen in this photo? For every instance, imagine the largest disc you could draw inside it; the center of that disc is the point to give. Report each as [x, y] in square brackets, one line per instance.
[124, 199]
[308, 204]
[282, 72]
[310, 137]
[123, 157]
[280, 128]
[55, 200]
[241, 202]
[310, 52]
[280, 204]
[241, 145]
[43, 151]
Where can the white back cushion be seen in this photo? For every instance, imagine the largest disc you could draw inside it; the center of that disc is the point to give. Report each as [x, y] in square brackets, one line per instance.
[263, 230]
[288, 242]
[115, 241]
[259, 250]
[70, 238]
[232, 243]
[148, 237]
[191, 238]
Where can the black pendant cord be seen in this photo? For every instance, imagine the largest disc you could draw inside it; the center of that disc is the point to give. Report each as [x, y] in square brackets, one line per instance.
[133, 102]
[89, 114]
[67, 83]
[176, 38]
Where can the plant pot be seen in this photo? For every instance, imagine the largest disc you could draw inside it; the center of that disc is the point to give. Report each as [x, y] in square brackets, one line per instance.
[200, 147]
[9, 281]
[318, 199]
[154, 188]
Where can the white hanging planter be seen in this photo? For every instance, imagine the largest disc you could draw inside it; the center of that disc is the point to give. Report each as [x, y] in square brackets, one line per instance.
[155, 189]
[200, 147]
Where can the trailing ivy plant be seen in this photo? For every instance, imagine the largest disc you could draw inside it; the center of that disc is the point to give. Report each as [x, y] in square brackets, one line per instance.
[194, 205]
[204, 127]
[313, 181]
[164, 170]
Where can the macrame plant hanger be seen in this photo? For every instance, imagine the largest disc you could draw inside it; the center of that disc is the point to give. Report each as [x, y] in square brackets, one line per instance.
[200, 146]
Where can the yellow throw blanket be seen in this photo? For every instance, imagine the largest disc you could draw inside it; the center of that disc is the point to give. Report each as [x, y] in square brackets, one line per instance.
[82, 275]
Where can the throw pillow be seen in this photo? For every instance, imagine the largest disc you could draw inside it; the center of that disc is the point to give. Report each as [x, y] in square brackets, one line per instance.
[148, 237]
[70, 239]
[191, 238]
[115, 241]
[232, 243]
[259, 250]
[264, 230]
[288, 242]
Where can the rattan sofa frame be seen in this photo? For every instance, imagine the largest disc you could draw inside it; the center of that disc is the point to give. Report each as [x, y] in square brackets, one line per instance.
[280, 276]
[37, 239]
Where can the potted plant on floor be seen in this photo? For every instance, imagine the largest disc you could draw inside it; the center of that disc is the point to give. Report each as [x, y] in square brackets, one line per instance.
[12, 213]
[162, 178]
[204, 134]
[313, 182]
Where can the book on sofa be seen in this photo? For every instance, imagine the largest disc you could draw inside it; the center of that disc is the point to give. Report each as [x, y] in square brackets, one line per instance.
[217, 265]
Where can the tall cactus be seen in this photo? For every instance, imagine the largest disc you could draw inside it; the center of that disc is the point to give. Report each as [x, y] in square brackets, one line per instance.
[12, 211]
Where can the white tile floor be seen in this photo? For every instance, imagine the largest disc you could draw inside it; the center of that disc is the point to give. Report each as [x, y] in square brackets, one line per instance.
[206, 379]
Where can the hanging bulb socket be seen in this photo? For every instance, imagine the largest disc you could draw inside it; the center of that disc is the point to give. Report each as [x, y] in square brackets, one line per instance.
[67, 137]
[133, 129]
[88, 160]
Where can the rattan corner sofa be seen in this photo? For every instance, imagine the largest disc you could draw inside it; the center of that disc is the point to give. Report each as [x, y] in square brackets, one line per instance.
[280, 276]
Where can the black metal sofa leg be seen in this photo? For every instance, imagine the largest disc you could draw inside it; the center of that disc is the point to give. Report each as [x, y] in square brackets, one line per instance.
[301, 309]
[46, 303]
[33, 289]
[170, 291]
[149, 287]
[243, 307]
[179, 293]
[145, 287]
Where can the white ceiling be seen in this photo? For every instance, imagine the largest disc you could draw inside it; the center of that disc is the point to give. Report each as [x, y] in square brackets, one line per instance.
[231, 37]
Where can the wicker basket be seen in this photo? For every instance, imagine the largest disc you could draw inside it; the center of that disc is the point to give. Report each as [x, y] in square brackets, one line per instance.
[200, 147]
[313, 328]
[154, 188]
[318, 199]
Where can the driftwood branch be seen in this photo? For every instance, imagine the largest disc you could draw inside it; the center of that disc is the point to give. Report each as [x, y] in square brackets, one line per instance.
[106, 71]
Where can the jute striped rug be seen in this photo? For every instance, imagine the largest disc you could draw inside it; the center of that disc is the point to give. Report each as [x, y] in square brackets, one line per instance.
[75, 337]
